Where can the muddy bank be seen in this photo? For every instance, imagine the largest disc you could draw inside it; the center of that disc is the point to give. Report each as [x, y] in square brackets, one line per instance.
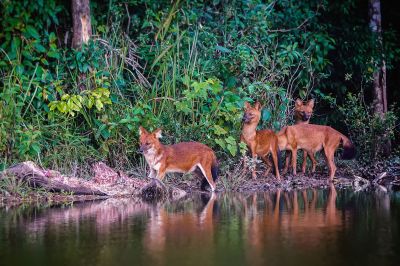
[270, 183]
[241, 181]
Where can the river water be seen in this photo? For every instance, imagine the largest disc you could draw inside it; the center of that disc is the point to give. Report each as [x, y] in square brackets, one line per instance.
[305, 227]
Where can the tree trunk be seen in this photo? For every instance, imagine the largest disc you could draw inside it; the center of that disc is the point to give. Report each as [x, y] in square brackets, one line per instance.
[375, 23]
[379, 75]
[82, 26]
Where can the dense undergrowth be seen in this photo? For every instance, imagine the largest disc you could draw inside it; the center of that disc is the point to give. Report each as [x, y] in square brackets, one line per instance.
[185, 66]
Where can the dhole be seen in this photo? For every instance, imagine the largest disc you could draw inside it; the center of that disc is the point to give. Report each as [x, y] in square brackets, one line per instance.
[313, 138]
[260, 142]
[184, 157]
[302, 114]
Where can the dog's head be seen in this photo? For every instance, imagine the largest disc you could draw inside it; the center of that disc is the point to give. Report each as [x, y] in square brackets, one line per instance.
[252, 114]
[304, 110]
[149, 141]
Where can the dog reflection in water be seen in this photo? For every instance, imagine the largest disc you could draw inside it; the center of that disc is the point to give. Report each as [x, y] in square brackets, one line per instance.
[166, 227]
[301, 217]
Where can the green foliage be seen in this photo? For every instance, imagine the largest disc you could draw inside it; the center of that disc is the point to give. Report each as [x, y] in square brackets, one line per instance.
[69, 104]
[367, 130]
[212, 111]
[263, 64]
[27, 39]
[358, 52]
[15, 187]
[12, 186]
[189, 70]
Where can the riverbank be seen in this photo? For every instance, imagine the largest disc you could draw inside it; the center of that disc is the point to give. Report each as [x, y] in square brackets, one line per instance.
[28, 183]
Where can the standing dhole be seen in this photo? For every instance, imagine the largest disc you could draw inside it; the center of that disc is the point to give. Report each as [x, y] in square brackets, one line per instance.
[260, 142]
[184, 157]
[302, 114]
[313, 138]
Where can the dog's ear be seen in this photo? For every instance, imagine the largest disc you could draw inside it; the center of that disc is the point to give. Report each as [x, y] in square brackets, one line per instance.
[142, 131]
[311, 103]
[258, 106]
[247, 105]
[157, 133]
[299, 102]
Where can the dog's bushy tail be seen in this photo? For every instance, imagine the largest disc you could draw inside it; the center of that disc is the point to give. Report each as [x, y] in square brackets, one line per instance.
[349, 150]
[214, 169]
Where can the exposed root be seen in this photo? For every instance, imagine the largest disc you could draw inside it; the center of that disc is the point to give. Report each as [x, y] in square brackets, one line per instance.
[156, 191]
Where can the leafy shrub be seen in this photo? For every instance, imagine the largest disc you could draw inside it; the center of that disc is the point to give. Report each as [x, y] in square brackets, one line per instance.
[370, 132]
[190, 69]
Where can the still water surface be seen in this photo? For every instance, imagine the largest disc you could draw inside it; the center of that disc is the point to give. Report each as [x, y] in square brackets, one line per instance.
[307, 227]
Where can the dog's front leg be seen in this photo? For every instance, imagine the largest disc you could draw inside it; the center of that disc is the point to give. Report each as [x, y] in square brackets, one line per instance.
[153, 173]
[253, 172]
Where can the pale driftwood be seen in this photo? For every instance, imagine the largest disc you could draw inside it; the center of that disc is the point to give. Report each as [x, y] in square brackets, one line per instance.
[395, 183]
[360, 183]
[378, 180]
[35, 176]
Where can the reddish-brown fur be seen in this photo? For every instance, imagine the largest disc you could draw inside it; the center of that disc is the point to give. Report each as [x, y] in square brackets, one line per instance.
[313, 138]
[184, 157]
[302, 113]
[260, 142]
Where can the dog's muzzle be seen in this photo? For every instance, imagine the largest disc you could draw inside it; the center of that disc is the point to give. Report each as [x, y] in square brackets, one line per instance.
[246, 119]
[305, 117]
[141, 149]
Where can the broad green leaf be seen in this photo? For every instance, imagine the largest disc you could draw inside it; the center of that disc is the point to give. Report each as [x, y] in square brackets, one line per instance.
[53, 54]
[125, 120]
[90, 102]
[99, 104]
[219, 130]
[105, 133]
[32, 32]
[40, 48]
[36, 148]
[266, 115]
[232, 149]
[222, 49]
[65, 97]
[220, 142]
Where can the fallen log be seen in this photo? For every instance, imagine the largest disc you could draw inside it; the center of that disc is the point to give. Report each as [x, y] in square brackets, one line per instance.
[35, 177]
[106, 182]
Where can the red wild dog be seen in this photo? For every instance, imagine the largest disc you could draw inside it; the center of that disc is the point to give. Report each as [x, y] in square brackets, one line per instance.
[184, 157]
[313, 138]
[260, 142]
[302, 113]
